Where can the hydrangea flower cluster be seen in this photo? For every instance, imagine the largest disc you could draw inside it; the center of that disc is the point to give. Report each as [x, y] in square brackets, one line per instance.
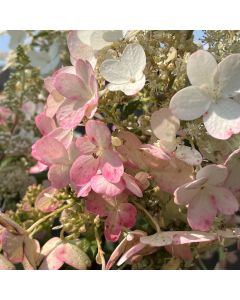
[109, 169]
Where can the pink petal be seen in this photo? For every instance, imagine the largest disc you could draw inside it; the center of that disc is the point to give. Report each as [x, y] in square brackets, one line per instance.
[98, 133]
[111, 166]
[216, 174]
[83, 169]
[97, 205]
[201, 212]
[127, 214]
[225, 201]
[132, 185]
[102, 186]
[44, 123]
[53, 105]
[84, 190]
[50, 245]
[38, 168]
[84, 145]
[70, 114]
[169, 177]
[112, 230]
[185, 193]
[164, 124]
[84, 70]
[72, 87]
[73, 256]
[51, 262]
[45, 201]
[65, 136]
[50, 151]
[155, 151]
[131, 252]
[58, 175]
[12, 246]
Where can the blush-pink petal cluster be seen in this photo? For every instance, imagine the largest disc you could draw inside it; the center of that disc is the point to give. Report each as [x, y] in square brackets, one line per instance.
[97, 153]
[206, 196]
[78, 87]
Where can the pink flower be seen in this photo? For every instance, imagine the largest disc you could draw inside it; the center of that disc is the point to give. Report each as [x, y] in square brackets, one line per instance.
[79, 86]
[96, 154]
[117, 211]
[47, 127]
[54, 154]
[46, 202]
[206, 196]
[56, 253]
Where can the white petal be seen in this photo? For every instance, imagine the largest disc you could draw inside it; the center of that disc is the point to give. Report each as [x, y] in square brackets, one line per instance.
[134, 57]
[216, 174]
[115, 72]
[188, 155]
[229, 74]
[190, 103]
[128, 88]
[223, 119]
[201, 67]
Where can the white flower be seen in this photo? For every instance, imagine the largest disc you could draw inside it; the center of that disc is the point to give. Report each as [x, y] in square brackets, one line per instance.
[84, 44]
[45, 61]
[211, 94]
[126, 74]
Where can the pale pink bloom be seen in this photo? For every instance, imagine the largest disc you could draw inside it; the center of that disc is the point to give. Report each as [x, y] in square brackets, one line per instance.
[96, 154]
[46, 202]
[79, 87]
[57, 252]
[54, 154]
[211, 95]
[206, 196]
[118, 212]
[5, 113]
[233, 165]
[170, 174]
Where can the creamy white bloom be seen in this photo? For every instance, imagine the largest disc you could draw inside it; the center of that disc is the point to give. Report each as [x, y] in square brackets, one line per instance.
[212, 94]
[126, 74]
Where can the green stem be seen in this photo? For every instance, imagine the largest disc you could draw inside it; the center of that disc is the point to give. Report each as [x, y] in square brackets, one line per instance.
[153, 221]
[54, 213]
